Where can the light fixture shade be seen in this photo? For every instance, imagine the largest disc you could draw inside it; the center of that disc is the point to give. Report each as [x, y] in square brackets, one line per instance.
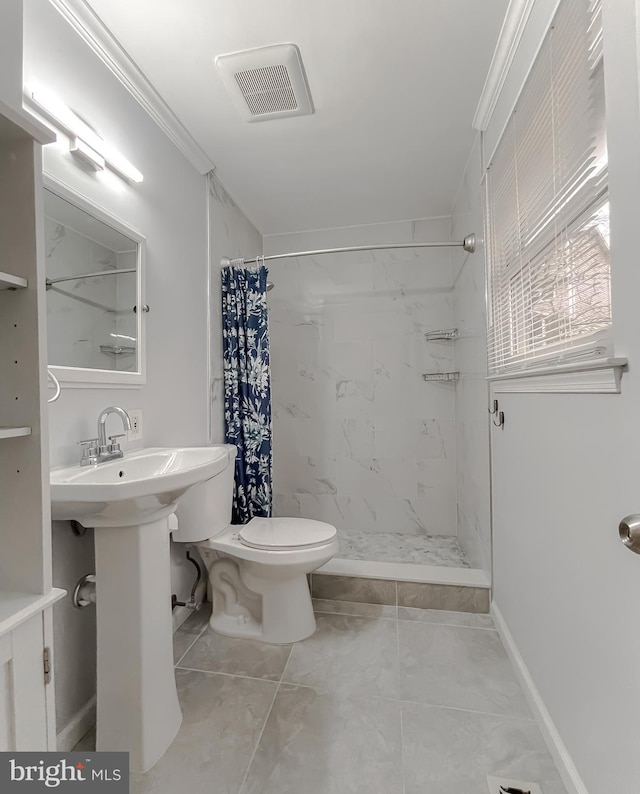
[122, 166]
[86, 154]
[87, 145]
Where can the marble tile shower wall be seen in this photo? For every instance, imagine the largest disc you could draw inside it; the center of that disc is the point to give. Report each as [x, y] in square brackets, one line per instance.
[472, 398]
[360, 440]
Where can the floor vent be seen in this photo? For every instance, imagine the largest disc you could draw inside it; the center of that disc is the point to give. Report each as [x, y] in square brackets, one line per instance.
[501, 785]
[267, 82]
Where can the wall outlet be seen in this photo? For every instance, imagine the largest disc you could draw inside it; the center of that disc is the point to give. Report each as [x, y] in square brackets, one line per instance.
[135, 434]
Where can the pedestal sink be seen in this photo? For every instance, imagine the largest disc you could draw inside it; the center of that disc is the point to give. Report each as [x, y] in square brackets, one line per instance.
[128, 502]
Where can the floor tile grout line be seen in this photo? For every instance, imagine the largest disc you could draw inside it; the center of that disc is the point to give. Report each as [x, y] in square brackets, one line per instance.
[402, 751]
[259, 739]
[404, 701]
[352, 615]
[330, 693]
[361, 696]
[200, 633]
[228, 675]
[286, 664]
[448, 625]
[204, 628]
[398, 607]
[407, 620]
[399, 684]
[293, 645]
[264, 724]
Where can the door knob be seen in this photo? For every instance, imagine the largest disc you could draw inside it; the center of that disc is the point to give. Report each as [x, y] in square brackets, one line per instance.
[629, 529]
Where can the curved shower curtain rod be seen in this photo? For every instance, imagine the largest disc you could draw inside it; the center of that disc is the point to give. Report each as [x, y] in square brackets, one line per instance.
[468, 244]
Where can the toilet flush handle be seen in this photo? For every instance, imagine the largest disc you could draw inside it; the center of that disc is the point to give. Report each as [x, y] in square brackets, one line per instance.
[629, 529]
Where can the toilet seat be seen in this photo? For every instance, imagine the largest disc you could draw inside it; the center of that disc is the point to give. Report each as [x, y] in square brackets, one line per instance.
[285, 534]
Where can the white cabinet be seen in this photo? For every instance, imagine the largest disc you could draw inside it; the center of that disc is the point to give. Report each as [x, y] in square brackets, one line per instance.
[26, 593]
[23, 697]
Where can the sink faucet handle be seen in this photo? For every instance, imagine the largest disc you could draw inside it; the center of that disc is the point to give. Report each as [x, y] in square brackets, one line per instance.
[114, 444]
[90, 451]
[113, 447]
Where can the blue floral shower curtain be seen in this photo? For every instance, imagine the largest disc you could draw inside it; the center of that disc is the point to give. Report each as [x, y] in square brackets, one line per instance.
[247, 388]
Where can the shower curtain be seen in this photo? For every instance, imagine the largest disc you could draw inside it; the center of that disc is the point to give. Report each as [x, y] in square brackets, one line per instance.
[247, 388]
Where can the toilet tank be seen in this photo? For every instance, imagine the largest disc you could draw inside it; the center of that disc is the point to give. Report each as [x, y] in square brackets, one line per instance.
[205, 510]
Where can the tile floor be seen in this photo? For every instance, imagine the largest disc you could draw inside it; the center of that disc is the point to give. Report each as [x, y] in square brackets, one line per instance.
[381, 700]
[443, 550]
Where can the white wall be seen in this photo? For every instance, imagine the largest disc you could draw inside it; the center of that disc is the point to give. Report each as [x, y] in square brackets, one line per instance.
[169, 207]
[232, 236]
[564, 473]
[472, 419]
[360, 440]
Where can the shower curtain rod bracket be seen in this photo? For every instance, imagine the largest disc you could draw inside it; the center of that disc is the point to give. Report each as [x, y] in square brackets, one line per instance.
[468, 244]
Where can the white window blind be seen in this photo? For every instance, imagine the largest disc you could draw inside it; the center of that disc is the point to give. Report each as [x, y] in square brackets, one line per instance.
[547, 212]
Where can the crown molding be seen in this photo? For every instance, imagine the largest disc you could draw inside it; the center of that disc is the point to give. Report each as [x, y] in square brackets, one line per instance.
[94, 32]
[510, 34]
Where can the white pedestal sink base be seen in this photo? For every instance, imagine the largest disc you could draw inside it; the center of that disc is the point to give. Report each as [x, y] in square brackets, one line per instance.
[137, 709]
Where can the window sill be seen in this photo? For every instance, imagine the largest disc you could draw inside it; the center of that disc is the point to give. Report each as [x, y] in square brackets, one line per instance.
[596, 376]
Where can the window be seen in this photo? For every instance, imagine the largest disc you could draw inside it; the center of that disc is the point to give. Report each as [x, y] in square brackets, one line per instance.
[547, 209]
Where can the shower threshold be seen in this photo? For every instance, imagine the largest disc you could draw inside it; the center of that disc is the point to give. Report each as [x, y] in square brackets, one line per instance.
[435, 559]
[407, 572]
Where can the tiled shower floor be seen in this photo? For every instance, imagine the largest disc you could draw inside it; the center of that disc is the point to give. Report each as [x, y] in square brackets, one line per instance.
[443, 550]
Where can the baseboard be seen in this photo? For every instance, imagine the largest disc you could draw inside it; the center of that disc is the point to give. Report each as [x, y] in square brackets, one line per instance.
[81, 722]
[556, 746]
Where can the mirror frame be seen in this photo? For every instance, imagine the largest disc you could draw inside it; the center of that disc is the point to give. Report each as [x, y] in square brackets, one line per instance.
[84, 377]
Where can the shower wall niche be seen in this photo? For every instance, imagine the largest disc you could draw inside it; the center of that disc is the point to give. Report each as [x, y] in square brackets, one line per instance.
[360, 439]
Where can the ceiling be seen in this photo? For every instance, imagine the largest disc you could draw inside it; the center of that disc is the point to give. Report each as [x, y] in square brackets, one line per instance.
[395, 84]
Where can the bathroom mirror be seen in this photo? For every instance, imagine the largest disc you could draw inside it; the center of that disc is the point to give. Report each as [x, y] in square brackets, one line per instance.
[94, 278]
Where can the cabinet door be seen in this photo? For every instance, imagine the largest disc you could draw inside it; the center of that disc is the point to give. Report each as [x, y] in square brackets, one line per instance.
[23, 708]
[7, 733]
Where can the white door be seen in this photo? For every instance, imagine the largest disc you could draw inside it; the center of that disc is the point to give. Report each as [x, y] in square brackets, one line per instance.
[566, 470]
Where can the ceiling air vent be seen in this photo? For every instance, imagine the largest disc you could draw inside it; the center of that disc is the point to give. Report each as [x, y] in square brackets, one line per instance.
[267, 83]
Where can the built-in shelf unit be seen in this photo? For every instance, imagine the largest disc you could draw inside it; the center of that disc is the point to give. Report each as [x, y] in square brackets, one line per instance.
[26, 593]
[14, 432]
[11, 282]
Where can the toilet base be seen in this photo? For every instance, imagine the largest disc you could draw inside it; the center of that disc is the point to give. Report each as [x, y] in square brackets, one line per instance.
[287, 616]
[266, 603]
[287, 611]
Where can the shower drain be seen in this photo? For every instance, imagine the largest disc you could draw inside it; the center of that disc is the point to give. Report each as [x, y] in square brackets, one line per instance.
[501, 785]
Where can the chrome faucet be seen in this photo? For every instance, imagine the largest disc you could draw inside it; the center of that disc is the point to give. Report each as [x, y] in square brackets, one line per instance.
[97, 450]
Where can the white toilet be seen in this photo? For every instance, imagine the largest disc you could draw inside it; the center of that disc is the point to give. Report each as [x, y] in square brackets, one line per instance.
[257, 571]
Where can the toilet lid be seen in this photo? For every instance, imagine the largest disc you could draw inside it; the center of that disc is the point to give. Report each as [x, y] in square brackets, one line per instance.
[285, 533]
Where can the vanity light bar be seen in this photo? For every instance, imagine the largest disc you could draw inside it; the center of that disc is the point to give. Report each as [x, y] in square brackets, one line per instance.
[67, 120]
[85, 153]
